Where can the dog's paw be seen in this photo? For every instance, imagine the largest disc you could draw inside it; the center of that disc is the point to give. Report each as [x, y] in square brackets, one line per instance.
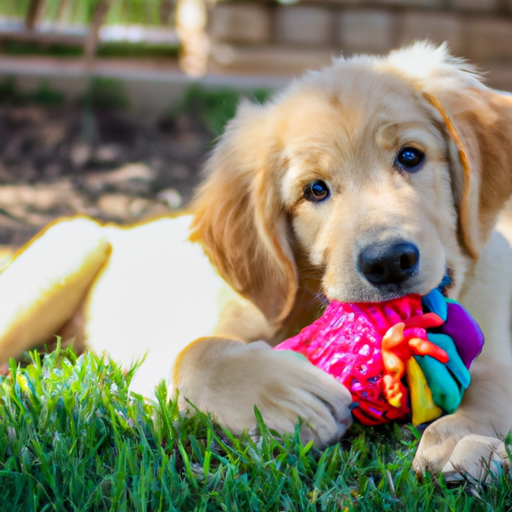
[476, 458]
[438, 442]
[300, 390]
[283, 386]
[450, 446]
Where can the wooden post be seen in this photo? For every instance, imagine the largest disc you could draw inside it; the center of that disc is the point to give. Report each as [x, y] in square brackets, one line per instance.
[166, 8]
[33, 11]
[62, 10]
[91, 42]
[191, 21]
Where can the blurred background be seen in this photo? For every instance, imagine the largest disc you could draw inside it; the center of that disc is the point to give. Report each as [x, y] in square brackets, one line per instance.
[108, 107]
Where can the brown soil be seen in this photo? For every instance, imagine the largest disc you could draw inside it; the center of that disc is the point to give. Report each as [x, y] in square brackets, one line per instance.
[112, 165]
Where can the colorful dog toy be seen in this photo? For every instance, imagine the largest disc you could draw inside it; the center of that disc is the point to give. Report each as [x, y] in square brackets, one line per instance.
[373, 348]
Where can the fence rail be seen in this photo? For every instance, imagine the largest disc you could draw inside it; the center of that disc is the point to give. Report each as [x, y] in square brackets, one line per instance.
[78, 23]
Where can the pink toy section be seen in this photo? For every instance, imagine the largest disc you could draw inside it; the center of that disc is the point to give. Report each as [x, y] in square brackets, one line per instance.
[374, 350]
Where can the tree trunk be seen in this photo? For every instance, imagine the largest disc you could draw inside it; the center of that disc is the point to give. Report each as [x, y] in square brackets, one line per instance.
[91, 42]
[33, 11]
[62, 10]
[166, 8]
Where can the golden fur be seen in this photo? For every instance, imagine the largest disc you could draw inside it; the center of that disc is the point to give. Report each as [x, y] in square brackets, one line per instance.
[343, 125]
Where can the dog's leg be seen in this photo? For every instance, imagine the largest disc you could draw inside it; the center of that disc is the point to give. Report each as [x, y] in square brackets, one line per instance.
[43, 286]
[228, 378]
[486, 409]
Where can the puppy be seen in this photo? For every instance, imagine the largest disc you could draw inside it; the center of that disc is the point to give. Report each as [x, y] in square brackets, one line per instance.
[367, 180]
[364, 181]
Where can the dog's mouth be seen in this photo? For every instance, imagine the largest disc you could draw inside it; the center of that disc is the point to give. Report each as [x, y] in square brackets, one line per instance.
[396, 291]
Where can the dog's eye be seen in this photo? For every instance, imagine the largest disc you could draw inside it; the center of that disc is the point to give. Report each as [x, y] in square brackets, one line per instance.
[316, 191]
[410, 159]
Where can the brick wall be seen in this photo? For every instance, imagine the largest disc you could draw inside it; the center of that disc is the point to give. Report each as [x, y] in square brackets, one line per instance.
[267, 37]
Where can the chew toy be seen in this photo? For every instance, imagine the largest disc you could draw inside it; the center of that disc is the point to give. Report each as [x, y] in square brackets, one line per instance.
[404, 356]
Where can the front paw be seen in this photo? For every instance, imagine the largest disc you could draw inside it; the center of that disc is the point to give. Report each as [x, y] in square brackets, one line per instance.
[300, 390]
[438, 442]
[476, 458]
[454, 446]
[282, 386]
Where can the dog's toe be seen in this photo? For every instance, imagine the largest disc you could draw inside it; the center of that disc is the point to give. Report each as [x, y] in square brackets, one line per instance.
[437, 444]
[476, 458]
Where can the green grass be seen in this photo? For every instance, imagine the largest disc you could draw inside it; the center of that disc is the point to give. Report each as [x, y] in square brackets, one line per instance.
[214, 108]
[101, 93]
[73, 438]
[137, 50]
[123, 12]
[113, 49]
[27, 48]
[44, 95]
[120, 11]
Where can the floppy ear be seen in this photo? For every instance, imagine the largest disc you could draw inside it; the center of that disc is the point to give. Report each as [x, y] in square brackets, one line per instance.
[478, 121]
[239, 218]
[481, 132]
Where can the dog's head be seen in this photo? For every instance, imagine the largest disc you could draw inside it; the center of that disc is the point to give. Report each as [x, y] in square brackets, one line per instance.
[373, 176]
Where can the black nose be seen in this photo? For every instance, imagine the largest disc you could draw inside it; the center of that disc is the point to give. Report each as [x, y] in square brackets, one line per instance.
[390, 263]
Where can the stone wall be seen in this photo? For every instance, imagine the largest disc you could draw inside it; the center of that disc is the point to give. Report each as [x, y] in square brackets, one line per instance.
[268, 37]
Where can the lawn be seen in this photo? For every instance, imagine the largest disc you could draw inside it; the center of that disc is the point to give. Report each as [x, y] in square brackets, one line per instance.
[120, 11]
[73, 438]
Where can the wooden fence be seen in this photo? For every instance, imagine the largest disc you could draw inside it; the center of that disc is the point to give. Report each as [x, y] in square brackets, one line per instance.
[286, 37]
[259, 36]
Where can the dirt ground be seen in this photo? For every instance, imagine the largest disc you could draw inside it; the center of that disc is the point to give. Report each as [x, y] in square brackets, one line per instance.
[106, 163]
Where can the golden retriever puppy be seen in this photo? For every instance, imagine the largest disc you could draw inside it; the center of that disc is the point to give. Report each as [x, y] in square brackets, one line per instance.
[364, 181]
[367, 180]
